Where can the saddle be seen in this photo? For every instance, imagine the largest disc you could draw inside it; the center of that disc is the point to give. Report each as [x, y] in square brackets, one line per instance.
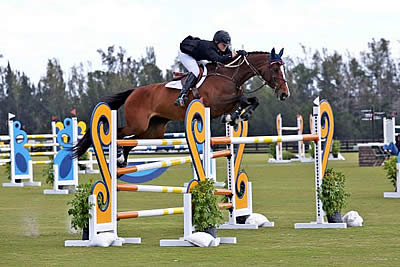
[180, 77]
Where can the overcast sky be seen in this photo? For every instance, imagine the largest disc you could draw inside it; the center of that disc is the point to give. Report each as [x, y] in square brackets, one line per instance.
[71, 31]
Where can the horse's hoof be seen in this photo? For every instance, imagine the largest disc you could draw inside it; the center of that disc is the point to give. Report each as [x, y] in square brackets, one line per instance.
[245, 117]
[121, 164]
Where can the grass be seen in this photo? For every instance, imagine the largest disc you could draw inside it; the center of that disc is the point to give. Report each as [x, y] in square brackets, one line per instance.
[34, 226]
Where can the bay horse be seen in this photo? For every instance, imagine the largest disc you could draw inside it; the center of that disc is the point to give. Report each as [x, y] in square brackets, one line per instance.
[149, 108]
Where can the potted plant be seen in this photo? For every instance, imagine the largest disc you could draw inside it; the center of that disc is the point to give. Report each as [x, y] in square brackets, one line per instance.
[48, 172]
[272, 150]
[390, 166]
[8, 170]
[79, 209]
[335, 148]
[287, 155]
[205, 211]
[333, 195]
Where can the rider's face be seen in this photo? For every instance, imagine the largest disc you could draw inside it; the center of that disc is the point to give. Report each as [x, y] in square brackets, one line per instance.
[222, 47]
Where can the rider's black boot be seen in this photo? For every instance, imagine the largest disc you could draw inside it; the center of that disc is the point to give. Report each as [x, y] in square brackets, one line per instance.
[189, 83]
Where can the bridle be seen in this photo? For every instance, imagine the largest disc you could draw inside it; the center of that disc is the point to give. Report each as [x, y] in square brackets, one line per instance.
[255, 72]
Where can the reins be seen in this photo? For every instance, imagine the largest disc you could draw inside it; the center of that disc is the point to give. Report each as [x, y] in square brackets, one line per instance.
[236, 64]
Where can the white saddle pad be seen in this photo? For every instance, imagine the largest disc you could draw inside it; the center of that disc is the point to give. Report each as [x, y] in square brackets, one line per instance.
[178, 84]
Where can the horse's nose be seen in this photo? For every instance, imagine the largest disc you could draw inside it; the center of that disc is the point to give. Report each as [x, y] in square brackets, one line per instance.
[284, 96]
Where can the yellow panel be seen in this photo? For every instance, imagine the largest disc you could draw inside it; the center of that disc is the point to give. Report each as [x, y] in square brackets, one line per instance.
[327, 131]
[99, 136]
[241, 203]
[194, 112]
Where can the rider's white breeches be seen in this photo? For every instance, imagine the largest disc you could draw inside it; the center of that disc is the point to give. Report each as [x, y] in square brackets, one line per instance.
[189, 63]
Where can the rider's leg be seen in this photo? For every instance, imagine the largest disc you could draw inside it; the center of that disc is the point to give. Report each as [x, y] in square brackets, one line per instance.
[191, 65]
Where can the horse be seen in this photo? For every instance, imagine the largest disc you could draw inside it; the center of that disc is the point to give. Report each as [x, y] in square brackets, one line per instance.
[149, 108]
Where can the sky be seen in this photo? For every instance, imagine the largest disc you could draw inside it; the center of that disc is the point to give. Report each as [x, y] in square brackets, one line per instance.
[32, 32]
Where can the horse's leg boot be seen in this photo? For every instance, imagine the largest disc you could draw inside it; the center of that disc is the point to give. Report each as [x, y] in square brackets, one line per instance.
[189, 83]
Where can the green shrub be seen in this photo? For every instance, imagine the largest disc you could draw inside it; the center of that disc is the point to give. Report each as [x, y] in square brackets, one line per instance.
[287, 155]
[80, 207]
[336, 148]
[205, 210]
[8, 170]
[390, 166]
[48, 172]
[272, 150]
[332, 192]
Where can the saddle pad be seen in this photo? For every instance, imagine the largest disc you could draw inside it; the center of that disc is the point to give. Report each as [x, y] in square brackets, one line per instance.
[178, 84]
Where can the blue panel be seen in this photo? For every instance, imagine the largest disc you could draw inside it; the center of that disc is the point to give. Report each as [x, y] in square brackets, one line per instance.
[64, 157]
[143, 176]
[65, 168]
[21, 164]
[21, 154]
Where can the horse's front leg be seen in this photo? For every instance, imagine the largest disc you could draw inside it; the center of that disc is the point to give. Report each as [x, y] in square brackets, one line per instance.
[248, 105]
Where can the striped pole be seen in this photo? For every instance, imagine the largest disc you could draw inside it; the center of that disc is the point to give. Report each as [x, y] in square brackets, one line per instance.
[164, 189]
[40, 145]
[151, 142]
[5, 138]
[174, 135]
[42, 153]
[151, 188]
[167, 163]
[40, 136]
[42, 162]
[149, 213]
[263, 139]
[171, 147]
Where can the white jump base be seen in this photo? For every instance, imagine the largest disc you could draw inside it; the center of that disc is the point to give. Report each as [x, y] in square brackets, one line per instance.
[391, 194]
[315, 225]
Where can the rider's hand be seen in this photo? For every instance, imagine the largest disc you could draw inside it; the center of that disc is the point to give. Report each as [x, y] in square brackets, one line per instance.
[242, 52]
[234, 54]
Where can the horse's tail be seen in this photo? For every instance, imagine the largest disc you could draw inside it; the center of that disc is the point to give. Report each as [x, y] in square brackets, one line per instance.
[115, 102]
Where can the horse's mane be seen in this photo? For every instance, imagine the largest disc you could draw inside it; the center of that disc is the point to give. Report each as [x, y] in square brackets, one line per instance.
[257, 52]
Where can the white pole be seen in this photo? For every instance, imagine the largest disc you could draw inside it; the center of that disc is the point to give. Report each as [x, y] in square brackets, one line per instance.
[318, 160]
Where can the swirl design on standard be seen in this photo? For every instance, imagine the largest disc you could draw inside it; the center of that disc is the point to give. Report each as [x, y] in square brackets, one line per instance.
[101, 136]
[241, 178]
[327, 131]
[195, 134]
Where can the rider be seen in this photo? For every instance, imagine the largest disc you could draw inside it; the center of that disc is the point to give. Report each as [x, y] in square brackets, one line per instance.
[193, 49]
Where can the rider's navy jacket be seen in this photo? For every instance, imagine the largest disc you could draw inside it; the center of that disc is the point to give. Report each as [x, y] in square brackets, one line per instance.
[204, 50]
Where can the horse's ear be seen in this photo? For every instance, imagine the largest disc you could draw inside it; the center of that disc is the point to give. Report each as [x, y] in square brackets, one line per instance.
[281, 52]
[273, 51]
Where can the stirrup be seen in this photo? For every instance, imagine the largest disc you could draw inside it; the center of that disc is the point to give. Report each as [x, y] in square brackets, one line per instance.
[181, 101]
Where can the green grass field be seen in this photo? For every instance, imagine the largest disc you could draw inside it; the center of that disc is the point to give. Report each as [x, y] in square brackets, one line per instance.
[34, 226]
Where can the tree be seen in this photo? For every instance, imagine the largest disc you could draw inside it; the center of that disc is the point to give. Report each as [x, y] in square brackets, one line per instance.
[52, 93]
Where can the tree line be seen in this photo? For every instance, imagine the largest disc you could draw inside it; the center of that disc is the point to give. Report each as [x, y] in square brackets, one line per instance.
[350, 84]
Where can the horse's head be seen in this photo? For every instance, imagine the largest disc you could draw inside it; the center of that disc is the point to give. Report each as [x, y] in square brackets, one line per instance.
[277, 75]
[273, 73]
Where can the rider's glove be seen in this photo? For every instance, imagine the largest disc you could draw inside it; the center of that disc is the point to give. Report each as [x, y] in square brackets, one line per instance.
[241, 52]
